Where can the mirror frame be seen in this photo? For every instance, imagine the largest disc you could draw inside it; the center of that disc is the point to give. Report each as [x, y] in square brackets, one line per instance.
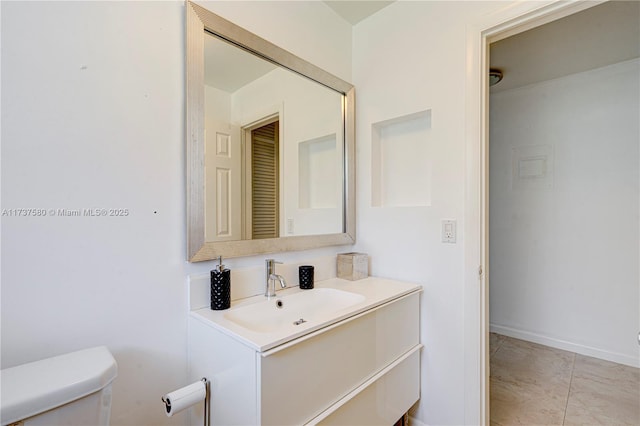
[199, 20]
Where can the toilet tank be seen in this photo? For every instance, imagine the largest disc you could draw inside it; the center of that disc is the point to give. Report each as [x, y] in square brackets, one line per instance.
[70, 389]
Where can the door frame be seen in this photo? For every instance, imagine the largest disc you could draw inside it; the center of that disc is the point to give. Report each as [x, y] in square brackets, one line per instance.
[512, 19]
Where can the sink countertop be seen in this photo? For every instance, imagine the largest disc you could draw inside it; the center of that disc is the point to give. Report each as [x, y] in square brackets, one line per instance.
[376, 291]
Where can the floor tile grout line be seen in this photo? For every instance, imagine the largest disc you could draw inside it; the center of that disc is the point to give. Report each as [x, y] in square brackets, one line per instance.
[573, 398]
[566, 405]
[499, 345]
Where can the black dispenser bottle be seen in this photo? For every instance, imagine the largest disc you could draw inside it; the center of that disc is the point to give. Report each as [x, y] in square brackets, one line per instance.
[220, 287]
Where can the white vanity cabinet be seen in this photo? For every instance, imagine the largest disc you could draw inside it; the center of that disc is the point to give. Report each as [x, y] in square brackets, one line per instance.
[362, 369]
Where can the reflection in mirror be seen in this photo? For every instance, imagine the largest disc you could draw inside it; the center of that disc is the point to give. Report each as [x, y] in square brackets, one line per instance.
[270, 146]
[273, 149]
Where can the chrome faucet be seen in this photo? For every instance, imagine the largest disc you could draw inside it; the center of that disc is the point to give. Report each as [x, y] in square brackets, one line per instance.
[271, 277]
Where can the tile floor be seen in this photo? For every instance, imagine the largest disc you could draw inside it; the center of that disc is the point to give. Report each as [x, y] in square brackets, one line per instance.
[532, 384]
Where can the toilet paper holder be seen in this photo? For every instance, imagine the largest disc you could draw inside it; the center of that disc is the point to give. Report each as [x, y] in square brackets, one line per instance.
[207, 400]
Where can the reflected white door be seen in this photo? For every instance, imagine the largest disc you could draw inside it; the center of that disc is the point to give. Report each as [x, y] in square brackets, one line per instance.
[222, 182]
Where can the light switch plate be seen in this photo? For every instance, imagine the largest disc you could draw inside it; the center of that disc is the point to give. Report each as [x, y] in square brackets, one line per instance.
[449, 231]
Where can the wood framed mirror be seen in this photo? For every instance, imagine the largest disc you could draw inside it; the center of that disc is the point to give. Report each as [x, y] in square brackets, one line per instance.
[270, 144]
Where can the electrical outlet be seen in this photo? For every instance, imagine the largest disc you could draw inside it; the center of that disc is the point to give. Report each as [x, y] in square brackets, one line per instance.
[449, 231]
[290, 226]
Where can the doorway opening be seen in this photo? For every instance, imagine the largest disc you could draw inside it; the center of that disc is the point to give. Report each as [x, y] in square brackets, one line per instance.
[481, 33]
[561, 164]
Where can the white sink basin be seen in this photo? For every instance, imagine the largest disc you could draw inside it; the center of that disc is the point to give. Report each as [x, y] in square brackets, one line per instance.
[261, 325]
[307, 306]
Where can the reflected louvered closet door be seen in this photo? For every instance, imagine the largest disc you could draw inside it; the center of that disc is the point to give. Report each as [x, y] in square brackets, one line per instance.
[264, 165]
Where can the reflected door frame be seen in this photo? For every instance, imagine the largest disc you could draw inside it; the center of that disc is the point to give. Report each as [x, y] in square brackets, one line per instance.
[247, 173]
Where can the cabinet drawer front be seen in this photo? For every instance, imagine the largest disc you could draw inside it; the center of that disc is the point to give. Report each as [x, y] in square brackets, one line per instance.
[384, 401]
[301, 381]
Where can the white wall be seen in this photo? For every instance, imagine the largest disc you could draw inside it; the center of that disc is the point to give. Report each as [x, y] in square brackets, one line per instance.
[92, 109]
[411, 57]
[93, 117]
[564, 248]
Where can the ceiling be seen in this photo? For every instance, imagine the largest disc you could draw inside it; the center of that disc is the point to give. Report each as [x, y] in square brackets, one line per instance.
[355, 11]
[596, 37]
[228, 68]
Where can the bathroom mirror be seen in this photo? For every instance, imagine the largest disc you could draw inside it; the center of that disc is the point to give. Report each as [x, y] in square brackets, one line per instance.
[270, 146]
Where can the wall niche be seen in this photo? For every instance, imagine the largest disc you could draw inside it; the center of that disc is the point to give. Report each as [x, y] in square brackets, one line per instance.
[401, 161]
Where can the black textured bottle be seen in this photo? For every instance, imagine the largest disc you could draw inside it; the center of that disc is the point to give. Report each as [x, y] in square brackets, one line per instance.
[305, 277]
[220, 287]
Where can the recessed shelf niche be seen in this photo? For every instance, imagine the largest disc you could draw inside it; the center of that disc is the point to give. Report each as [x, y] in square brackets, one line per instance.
[318, 173]
[401, 161]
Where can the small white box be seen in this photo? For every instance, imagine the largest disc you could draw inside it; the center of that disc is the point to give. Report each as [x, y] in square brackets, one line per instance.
[353, 266]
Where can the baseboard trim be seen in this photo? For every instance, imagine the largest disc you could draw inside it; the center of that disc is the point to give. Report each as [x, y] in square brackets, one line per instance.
[565, 345]
[415, 422]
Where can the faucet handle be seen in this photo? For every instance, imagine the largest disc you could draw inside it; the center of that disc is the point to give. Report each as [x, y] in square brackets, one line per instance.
[270, 266]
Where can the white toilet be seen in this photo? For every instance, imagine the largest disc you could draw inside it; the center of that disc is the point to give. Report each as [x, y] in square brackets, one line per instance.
[70, 389]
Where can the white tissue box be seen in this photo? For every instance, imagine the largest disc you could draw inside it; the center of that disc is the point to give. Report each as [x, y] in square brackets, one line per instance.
[353, 266]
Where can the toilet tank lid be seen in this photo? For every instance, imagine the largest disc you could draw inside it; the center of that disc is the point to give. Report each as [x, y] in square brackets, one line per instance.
[30, 389]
